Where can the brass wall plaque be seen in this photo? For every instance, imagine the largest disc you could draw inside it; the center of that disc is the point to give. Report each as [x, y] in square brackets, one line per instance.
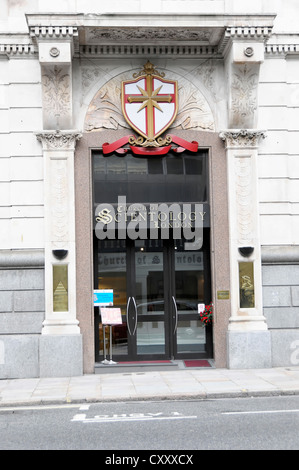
[246, 284]
[222, 294]
[60, 288]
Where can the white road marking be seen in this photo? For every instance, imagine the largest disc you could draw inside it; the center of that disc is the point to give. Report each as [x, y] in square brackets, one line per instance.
[79, 417]
[126, 418]
[36, 407]
[258, 412]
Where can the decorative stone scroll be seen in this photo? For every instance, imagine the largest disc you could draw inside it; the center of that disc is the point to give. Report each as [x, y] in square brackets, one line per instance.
[58, 140]
[242, 137]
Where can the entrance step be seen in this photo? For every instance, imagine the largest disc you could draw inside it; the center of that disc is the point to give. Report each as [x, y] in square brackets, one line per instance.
[143, 366]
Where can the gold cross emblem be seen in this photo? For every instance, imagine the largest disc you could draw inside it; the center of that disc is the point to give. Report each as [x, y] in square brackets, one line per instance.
[150, 119]
[150, 99]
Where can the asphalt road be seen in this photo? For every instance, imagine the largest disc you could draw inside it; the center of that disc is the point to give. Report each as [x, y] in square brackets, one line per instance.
[182, 426]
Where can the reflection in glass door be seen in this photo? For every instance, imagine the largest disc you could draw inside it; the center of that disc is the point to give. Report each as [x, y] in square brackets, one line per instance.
[111, 273]
[158, 285]
[149, 298]
[191, 287]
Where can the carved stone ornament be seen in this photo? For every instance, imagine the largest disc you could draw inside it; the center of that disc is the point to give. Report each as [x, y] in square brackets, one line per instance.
[249, 51]
[244, 202]
[242, 137]
[244, 88]
[56, 92]
[59, 202]
[59, 140]
[146, 34]
[54, 52]
[104, 111]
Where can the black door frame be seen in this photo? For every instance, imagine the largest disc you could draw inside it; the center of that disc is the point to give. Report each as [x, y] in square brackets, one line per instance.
[170, 317]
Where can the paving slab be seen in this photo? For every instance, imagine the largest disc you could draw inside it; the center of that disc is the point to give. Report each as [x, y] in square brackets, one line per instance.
[151, 384]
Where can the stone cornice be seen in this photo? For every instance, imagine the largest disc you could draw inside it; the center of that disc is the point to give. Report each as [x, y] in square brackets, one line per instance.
[244, 33]
[121, 50]
[198, 34]
[116, 35]
[53, 32]
[242, 138]
[281, 49]
[138, 20]
[18, 50]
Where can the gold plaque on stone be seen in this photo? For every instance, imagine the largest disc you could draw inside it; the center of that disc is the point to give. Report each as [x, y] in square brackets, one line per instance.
[222, 294]
[246, 283]
[60, 288]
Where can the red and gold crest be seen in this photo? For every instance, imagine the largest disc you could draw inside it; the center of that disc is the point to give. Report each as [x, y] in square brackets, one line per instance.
[150, 104]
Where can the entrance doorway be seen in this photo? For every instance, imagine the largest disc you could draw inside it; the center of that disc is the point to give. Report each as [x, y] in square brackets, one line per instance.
[158, 285]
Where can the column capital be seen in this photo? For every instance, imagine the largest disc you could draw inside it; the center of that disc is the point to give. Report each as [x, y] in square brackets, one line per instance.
[59, 140]
[242, 138]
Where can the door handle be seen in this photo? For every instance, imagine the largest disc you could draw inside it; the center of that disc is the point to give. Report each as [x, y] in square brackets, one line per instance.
[176, 315]
[127, 316]
[136, 315]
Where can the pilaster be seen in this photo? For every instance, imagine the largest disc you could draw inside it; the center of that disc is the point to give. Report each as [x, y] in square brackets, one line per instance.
[248, 338]
[60, 248]
[56, 46]
[61, 351]
[248, 335]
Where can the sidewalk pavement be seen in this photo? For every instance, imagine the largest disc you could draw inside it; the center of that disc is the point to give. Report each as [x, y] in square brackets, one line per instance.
[154, 384]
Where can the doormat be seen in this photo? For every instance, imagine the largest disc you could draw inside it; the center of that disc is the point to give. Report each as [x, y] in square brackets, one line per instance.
[197, 363]
[146, 362]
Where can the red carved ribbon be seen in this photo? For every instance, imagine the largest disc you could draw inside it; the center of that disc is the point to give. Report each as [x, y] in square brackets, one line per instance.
[118, 144]
[150, 150]
[184, 144]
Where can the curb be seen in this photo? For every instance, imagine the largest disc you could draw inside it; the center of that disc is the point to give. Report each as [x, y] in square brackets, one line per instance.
[192, 396]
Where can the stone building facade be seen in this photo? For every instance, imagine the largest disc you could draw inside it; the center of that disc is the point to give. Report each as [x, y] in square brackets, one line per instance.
[62, 67]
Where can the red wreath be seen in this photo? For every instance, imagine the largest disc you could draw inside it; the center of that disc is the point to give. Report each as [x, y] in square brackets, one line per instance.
[206, 317]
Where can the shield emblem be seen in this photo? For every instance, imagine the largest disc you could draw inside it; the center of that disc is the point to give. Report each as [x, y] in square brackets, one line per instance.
[150, 103]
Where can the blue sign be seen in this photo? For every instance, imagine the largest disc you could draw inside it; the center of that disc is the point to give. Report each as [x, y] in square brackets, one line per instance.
[103, 297]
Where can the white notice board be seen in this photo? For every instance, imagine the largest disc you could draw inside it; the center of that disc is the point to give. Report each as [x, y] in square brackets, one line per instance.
[111, 316]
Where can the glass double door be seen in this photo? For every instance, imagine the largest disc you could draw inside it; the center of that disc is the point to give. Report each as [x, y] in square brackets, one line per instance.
[158, 285]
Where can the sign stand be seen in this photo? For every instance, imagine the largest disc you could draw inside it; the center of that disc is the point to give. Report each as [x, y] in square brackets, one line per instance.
[105, 361]
[110, 316]
[111, 361]
[104, 298]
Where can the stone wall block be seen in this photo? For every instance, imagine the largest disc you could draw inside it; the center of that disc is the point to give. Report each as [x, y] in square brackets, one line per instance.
[21, 323]
[19, 356]
[283, 275]
[277, 296]
[6, 301]
[285, 347]
[29, 301]
[282, 317]
[21, 279]
[295, 295]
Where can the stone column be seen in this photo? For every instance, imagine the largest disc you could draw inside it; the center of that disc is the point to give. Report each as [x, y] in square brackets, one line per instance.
[61, 352]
